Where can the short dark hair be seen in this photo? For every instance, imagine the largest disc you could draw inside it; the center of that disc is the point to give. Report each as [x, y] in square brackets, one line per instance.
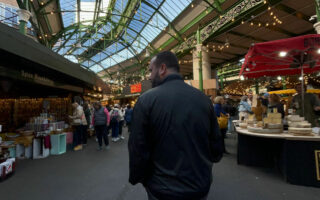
[169, 59]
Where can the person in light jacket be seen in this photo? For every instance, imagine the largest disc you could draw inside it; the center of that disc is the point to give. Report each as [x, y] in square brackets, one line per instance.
[100, 121]
[121, 122]
[244, 108]
[114, 122]
[78, 121]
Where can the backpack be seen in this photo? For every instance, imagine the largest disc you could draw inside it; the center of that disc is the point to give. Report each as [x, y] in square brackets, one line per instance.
[115, 116]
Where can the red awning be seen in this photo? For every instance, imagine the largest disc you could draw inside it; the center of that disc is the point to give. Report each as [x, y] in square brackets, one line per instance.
[283, 57]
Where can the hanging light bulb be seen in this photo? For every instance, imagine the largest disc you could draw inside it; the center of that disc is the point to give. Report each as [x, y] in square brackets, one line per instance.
[251, 24]
[242, 22]
[283, 54]
[192, 5]
[279, 78]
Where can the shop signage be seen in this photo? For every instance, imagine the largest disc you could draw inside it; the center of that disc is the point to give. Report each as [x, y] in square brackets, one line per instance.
[317, 154]
[135, 88]
[36, 77]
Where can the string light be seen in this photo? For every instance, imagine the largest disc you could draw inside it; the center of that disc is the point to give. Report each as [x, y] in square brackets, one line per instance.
[267, 24]
[271, 13]
[269, 8]
[232, 19]
[242, 22]
[192, 5]
[251, 24]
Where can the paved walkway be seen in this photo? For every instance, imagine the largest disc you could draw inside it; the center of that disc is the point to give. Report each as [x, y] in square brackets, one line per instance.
[89, 174]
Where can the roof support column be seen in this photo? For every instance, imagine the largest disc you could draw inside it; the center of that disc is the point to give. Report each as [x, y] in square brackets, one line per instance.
[24, 16]
[197, 63]
[317, 25]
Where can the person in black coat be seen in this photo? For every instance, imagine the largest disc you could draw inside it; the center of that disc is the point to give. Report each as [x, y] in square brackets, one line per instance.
[274, 102]
[175, 136]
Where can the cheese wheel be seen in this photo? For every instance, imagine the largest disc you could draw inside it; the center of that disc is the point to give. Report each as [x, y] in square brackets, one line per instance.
[266, 131]
[299, 130]
[275, 126]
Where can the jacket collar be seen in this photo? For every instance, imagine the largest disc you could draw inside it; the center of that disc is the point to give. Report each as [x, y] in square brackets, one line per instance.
[171, 77]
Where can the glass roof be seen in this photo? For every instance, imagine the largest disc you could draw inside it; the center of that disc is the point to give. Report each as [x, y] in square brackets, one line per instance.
[100, 34]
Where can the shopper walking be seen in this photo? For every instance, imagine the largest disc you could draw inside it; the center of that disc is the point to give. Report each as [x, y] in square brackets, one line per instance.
[128, 117]
[244, 108]
[175, 137]
[222, 118]
[231, 111]
[109, 127]
[100, 121]
[78, 120]
[87, 114]
[115, 118]
[121, 122]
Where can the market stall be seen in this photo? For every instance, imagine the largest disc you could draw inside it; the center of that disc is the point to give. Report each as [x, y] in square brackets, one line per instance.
[288, 142]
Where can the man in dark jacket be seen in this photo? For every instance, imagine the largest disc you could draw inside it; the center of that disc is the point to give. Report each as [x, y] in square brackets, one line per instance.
[175, 136]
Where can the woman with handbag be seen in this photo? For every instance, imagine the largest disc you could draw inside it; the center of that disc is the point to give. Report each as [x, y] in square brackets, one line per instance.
[222, 117]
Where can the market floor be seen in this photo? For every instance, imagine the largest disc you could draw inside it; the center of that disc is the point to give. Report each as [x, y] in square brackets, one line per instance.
[89, 174]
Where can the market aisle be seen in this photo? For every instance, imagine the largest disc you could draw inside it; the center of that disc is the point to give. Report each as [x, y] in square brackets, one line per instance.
[90, 174]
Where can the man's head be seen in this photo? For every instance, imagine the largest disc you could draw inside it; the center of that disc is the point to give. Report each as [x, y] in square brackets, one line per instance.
[162, 65]
[299, 89]
[97, 105]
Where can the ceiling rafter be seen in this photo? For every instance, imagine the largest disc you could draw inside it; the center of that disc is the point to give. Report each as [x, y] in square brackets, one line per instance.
[79, 9]
[178, 37]
[123, 20]
[293, 12]
[42, 7]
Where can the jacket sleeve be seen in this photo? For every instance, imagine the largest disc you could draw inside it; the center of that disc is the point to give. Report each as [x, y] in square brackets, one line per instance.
[107, 114]
[215, 139]
[139, 150]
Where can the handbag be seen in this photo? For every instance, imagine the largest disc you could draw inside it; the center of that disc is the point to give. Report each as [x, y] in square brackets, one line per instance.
[223, 121]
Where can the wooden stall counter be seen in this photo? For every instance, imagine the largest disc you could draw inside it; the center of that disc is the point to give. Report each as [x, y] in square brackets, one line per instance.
[296, 157]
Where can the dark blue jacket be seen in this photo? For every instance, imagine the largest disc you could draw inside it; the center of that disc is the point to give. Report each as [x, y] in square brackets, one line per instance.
[128, 115]
[218, 109]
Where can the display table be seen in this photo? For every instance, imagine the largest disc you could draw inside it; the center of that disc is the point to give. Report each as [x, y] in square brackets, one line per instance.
[297, 157]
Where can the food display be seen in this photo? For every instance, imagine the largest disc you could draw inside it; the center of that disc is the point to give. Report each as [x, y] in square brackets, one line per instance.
[298, 126]
[14, 113]
[272, 124]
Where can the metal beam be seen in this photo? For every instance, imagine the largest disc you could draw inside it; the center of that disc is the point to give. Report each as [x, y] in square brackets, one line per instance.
[87, 35]
[131, 5]
[247, 36]
[293, 12]
[79, 8]
[42, 7]
[70, 36]
[162, 15]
